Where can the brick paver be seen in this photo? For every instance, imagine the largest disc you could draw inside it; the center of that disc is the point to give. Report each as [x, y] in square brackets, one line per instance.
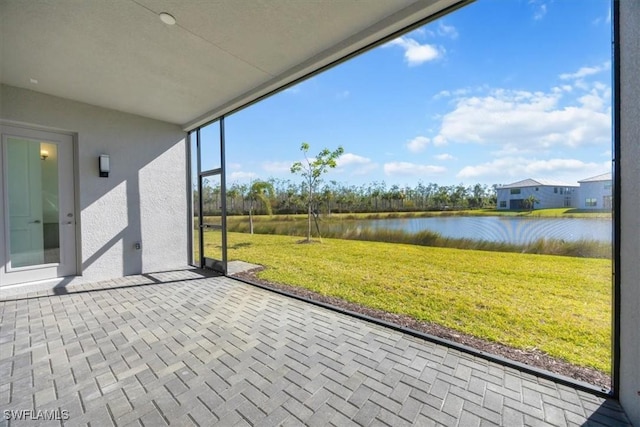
[185, 348]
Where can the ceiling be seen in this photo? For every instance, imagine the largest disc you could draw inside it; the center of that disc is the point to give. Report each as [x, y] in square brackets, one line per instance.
[220, 55]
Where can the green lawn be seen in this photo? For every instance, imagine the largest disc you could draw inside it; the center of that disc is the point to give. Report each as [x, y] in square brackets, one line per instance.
[559, 305]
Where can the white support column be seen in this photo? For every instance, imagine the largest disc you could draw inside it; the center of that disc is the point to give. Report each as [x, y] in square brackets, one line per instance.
[629, 158]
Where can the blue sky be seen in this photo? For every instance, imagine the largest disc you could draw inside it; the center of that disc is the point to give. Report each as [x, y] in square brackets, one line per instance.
[496, 92]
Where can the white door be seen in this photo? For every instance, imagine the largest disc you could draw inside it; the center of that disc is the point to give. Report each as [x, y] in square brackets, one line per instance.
[38, 227]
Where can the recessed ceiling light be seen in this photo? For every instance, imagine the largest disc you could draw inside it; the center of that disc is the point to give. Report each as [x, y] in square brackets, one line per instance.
[167, 19]
[34, 81]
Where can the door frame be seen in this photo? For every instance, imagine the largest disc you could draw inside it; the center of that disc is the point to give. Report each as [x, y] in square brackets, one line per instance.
[43, 272]
[193, 139]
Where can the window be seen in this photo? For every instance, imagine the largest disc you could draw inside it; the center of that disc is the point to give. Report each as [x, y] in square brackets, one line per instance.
[537, 188]
[607, 186]
[515, 191]
[555, 190]
[591, 202]
[503, 204]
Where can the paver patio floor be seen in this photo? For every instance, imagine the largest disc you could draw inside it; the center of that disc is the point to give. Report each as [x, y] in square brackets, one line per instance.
[186, 348]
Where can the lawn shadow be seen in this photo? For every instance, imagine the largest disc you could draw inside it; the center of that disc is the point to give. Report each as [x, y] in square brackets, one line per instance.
[240, 245]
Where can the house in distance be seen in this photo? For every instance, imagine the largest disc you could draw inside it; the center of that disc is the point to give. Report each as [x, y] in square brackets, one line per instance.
[595, 192]
[591, 193]
[548, 193]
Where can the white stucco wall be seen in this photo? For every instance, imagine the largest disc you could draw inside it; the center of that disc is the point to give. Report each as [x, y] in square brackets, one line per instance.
[630, 206]
[144, 198]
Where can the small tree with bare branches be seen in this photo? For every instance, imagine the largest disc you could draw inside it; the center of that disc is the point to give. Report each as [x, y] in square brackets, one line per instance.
[312, 169]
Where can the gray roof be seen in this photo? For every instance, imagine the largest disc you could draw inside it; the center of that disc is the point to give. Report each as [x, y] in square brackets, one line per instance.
[597, 178]
[537, 183]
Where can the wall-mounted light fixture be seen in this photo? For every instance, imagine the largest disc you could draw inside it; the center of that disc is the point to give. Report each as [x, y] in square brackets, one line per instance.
[44, 154]
[103, 165]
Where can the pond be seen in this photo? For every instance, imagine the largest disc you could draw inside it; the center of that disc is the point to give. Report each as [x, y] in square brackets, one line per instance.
[516, 230]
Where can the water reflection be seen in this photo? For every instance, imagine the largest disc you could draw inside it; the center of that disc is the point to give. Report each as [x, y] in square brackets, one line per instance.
[514, 230]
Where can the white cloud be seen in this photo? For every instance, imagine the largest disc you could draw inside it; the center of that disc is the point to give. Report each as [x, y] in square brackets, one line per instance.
[540, 9]
[447, 30]
[417, 144]
[412, 169]
[561, 89]
[414, 52]
[350, 159]
[355, 164]
[457, 93]
[442, 94]
[343, 95]
[606, 19]
[569, 170]
[242, 176]
[522, 120]
[277, 167]
[586, 71]
[444, 156]
[592, 101]
[439, 140]
[420, 32]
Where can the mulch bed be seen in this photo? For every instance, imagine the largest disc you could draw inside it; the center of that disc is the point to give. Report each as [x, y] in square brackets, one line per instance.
[534, 358]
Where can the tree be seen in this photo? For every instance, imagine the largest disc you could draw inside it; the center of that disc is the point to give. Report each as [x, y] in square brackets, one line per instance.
[328, 196]
[208, 195]
[312, 170]
[529, 202]
[232, 194]
[243, 188]
[441, 197]
[478, 192]
[458, 196]
[196, 200]
[259, 192]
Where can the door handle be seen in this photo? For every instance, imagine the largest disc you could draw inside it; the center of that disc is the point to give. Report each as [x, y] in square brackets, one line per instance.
[37, 221]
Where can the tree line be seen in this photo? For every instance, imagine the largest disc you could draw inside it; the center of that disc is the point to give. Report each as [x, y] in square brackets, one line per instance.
[285, 196]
